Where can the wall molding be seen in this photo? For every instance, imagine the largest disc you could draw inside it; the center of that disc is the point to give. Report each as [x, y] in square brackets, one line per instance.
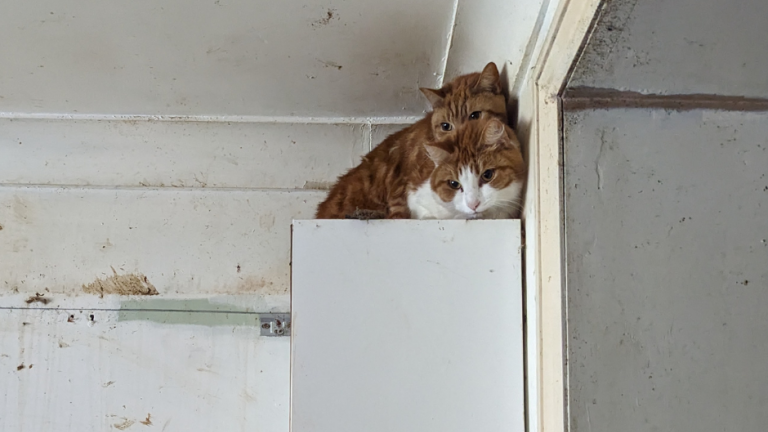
[583, 98]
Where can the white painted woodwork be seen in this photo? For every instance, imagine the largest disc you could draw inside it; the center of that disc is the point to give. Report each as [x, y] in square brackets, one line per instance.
[211, 372]
[407, 326]
[562, 27]
[178, 154]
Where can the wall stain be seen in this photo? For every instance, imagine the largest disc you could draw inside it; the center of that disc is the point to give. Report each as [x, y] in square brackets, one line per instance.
[317, 185]
[128, 284]
[38, 298]
[255, 284]
[123, 425]
[330, 15]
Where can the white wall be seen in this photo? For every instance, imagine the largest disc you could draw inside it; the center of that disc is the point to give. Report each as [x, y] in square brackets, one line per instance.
[176, 142]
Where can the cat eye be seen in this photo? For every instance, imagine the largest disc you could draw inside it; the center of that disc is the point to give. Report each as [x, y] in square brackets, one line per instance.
[475, 115]
[488, 175]
[446, 126]
[454, 184]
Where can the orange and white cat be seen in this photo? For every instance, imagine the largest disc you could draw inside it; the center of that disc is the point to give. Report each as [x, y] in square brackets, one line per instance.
[387, 177]
[478, 174]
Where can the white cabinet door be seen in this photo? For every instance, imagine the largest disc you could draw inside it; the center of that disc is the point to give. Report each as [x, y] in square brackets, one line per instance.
[402, 326]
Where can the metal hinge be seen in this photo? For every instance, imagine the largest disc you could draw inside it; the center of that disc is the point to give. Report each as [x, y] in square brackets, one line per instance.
[275, 324]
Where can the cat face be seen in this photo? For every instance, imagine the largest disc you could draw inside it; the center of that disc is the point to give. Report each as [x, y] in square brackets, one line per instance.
[467, 98]
[480, 173]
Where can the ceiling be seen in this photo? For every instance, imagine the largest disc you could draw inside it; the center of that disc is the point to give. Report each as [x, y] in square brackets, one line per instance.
[334, 58]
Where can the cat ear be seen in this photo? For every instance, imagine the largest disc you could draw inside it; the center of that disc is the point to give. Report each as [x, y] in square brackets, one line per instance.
[489, 80]
[437, 154]
[493, 132]
[435, 97]
[512, 138]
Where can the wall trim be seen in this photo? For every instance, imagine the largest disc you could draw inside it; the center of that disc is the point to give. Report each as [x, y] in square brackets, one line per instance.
[539, 124]
[583, 98]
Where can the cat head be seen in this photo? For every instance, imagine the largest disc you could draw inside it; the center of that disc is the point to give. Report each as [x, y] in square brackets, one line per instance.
[480, 172]
[467, 98]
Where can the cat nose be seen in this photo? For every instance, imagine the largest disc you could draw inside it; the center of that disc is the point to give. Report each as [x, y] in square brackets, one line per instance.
[474, 204]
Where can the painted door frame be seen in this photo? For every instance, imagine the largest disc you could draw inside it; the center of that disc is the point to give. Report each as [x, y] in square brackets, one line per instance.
[539, 124]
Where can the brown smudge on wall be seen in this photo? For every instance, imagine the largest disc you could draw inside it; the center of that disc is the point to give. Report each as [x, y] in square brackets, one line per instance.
[128, 284]
[123, 425]
[255, 284]
[37, 298]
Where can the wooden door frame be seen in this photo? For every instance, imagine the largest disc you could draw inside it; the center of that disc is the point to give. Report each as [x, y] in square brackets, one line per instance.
[539, 124]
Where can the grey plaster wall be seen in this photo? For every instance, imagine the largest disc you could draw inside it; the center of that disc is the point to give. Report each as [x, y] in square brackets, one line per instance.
[679, 47]
[667, 270]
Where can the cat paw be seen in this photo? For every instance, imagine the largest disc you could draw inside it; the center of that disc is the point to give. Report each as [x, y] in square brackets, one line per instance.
[399, 215]
[366, 214]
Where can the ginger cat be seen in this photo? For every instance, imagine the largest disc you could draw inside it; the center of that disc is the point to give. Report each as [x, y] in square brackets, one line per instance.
[377, 184]
[478, 174]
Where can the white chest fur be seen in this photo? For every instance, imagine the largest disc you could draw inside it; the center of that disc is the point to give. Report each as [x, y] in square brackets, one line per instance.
[424, 203]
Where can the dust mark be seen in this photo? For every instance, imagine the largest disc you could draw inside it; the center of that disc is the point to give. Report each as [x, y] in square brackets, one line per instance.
[63, 344]
[247, 396]
[267, 221]
[71, 319]
[107, 384]
[330, 15]
[317, 185]
[251, 284]
[129, 284]
[21, 210]
[20, 367]
[105, 245]
[1, 227]
[123, 425]
[331, 64]
[147, 421]
[238, 268]
[37, 298]
[31, 366]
